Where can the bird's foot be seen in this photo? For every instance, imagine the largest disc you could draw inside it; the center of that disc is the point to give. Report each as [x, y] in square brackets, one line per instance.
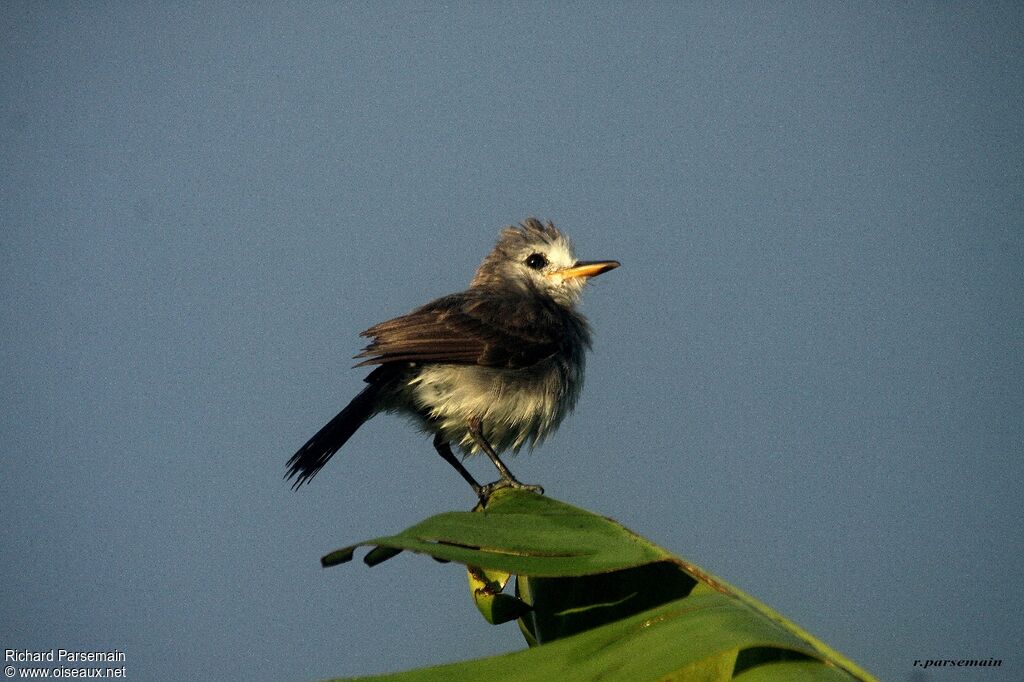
[485, 491]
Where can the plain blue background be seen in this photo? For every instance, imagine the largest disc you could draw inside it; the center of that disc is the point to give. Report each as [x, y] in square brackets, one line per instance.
[807, 374]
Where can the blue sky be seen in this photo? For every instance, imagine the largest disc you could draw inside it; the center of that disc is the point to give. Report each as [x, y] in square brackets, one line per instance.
[807, 373]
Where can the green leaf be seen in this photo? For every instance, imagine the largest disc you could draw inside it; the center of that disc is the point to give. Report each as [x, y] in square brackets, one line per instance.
[597, 601]
[564, 606]
[521, 533]
[486, 587]
[793, 671]
[697, 637]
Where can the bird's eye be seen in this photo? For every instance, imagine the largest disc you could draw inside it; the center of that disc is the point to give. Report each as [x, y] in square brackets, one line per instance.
[536, 261]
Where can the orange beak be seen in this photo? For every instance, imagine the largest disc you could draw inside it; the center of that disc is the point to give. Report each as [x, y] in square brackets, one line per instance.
[587, 268]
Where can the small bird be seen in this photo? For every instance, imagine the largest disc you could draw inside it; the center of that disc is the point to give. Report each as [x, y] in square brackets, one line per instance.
[489, 369]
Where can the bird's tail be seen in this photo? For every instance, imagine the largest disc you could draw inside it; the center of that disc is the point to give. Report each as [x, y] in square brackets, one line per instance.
[318, 450]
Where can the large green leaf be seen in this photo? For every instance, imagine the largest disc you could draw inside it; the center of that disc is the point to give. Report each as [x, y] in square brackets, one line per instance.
[697, 638]
[520, 533]
[604, 602]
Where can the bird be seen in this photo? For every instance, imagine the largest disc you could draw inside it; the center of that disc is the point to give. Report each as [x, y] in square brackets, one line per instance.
[489, 369]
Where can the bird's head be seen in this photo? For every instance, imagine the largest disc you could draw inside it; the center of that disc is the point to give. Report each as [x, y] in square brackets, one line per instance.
[537, 258]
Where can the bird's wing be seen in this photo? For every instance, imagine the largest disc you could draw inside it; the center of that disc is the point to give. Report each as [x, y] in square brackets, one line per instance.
[470, 328]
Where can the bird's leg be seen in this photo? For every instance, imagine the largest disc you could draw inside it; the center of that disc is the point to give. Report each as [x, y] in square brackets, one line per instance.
[445, 450]
[508, 480]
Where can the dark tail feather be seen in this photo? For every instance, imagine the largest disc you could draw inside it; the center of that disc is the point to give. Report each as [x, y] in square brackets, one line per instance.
[318, 450]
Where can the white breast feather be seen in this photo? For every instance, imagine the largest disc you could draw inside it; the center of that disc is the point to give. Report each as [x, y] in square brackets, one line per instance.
[515, 406]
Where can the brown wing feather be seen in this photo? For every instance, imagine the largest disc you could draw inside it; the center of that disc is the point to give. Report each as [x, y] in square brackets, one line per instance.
[470, 328]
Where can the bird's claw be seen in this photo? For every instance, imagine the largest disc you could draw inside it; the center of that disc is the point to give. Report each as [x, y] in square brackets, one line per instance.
[485, 491]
